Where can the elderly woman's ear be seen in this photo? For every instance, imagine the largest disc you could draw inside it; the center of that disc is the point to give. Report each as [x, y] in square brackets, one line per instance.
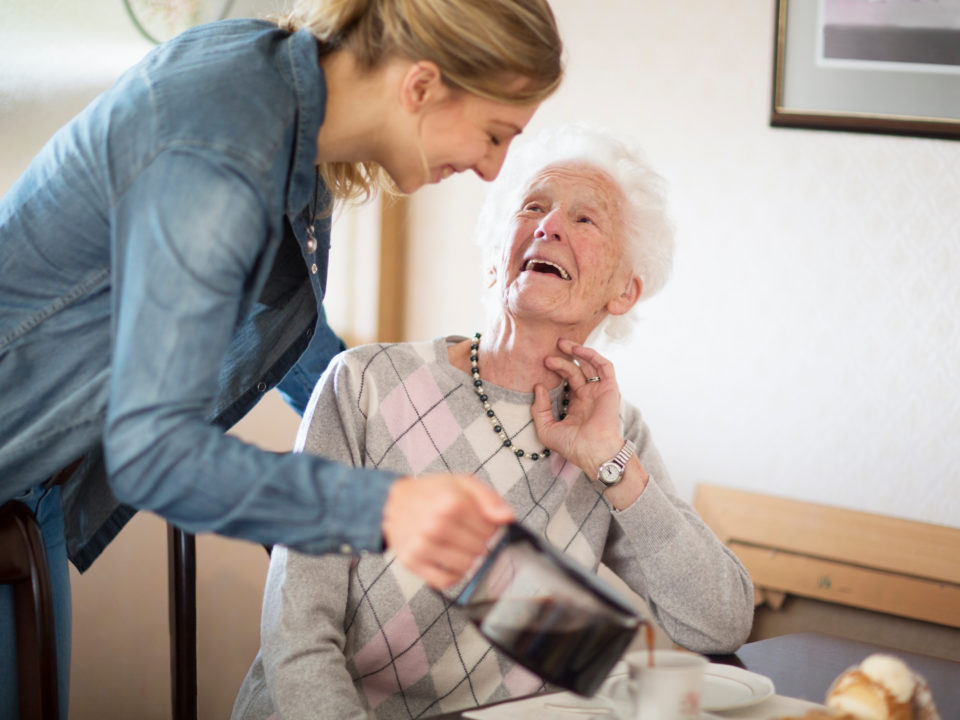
[491, 276]
[628, 298]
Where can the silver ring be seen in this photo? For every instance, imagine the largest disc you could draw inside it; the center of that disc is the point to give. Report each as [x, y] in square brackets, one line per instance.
[595, 378]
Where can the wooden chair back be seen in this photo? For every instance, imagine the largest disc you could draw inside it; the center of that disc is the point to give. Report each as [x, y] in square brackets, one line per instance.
[23, 566]
[182, 588]
[791, 547]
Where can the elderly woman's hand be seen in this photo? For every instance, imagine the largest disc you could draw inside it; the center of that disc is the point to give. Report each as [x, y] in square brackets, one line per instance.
[590, 434]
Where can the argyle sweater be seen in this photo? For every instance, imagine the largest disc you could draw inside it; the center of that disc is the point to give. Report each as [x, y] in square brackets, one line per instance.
[351, 637]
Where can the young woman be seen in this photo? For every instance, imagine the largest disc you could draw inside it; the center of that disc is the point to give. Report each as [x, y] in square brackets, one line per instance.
[163, 264]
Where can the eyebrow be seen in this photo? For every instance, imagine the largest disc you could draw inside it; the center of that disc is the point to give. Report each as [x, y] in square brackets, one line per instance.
[510, 126]
[592, 202]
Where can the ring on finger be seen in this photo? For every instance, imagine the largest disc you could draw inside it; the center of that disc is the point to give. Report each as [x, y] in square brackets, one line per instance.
[595, 378]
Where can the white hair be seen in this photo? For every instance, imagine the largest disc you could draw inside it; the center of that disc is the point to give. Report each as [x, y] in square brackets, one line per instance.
[647, 228]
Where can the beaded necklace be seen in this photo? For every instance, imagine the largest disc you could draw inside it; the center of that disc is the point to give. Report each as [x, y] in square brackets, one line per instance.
[492, 415]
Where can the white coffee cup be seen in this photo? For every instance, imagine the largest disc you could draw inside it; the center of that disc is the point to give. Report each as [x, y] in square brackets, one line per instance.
[670, 689]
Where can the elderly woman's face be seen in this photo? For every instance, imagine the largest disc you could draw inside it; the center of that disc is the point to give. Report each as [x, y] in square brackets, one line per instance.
[565, 261]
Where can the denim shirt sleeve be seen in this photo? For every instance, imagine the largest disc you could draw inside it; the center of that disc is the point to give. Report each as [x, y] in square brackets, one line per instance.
[297, 385]
[188, 234]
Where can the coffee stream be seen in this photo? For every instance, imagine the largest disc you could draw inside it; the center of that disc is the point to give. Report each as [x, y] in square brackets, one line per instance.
[648, 638]
[566, 645]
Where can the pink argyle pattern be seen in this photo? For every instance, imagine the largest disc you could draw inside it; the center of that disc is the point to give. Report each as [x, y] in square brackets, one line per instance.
[410, 651]
[419, 422]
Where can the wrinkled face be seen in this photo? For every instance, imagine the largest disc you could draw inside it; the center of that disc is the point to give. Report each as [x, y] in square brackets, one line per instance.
[464, 132]
[565, 262]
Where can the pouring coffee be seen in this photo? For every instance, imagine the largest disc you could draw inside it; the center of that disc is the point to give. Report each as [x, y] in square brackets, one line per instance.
[548, 613]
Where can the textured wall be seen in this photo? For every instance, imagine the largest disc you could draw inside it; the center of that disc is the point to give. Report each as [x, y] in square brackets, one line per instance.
[808, 343]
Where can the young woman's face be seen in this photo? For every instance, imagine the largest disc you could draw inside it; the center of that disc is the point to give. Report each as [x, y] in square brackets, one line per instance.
[565, 261]
[462, 132]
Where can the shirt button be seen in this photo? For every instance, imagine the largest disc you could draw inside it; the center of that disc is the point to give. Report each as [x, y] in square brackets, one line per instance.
[311, 245]
[313, 268]
[346, 549]
[262, 386]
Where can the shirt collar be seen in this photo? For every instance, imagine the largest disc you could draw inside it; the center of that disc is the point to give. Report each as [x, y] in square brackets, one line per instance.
[311, 90]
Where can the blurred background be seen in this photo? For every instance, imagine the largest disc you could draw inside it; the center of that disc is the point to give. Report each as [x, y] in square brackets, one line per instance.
[807, 345]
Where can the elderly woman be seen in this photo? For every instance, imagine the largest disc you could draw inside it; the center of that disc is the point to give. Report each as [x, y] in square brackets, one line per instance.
[577, 233]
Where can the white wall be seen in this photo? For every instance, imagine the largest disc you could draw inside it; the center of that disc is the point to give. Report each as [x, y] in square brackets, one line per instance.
[807, 344]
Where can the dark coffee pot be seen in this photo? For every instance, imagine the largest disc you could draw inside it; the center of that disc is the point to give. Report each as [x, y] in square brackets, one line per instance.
[548, 613]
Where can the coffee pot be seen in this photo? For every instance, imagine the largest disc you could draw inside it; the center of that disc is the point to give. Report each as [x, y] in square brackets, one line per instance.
[547, 612]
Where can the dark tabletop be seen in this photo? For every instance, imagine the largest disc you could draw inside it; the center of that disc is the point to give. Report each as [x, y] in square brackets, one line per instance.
[803, 665]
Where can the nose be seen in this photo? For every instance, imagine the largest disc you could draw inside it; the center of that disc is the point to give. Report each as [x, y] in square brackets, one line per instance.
[550, 226]
[489, 165]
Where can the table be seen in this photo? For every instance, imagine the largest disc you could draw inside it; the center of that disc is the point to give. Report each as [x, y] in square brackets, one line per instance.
[803, 665]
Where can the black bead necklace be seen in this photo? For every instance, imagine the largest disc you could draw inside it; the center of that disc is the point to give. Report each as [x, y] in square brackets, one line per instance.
[494, 420]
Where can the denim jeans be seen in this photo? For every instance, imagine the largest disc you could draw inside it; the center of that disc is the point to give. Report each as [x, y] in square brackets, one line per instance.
[45, 504]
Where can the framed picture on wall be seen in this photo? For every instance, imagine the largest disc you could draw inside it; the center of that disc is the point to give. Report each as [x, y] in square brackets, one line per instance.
[886, 66]
[160, 20]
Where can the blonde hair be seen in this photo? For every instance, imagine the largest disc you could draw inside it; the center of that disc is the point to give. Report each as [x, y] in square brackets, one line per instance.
[479, 45]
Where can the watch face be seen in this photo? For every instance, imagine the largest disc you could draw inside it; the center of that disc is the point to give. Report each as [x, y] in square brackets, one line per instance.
[609, 473]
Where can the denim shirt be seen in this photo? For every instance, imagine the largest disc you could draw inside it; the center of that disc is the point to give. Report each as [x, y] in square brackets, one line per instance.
[156, 279]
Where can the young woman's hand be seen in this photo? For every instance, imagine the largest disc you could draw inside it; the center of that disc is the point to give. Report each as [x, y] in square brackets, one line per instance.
[439, 525]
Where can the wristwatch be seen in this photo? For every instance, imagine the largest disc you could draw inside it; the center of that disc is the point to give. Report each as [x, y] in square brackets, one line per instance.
[611, 472]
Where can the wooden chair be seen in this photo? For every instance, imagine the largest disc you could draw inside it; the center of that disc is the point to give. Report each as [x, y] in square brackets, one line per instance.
[182, 589]
[23, 565]
[852, 558]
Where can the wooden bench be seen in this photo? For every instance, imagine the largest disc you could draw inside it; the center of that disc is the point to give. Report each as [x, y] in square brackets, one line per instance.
[858, 559]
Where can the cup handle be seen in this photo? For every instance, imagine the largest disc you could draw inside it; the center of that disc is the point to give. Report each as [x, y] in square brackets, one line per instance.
[619, 697]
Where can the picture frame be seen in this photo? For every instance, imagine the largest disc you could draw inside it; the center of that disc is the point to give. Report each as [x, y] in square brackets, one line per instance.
[160, 20]
[863, 66]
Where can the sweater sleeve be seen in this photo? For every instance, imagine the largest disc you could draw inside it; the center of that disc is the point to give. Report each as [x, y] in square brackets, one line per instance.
[302, 629]
[302, 637]
[696, 588]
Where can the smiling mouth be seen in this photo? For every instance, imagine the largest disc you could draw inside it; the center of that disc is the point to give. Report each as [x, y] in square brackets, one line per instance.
[443, 173]
[545, 266]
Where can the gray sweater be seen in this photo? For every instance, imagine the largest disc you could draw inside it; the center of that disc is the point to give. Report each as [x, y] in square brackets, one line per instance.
[350, 637]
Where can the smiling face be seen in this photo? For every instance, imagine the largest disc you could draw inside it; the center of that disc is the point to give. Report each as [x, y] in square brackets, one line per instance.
[443, 130]
[565, 263]
[463, 132]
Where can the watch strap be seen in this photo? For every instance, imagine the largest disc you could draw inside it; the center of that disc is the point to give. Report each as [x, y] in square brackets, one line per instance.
[626, 452]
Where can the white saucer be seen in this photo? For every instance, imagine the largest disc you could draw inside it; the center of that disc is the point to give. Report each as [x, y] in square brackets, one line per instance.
[726, 687]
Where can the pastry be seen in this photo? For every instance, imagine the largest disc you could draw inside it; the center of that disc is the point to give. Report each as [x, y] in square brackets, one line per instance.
[882, 687]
